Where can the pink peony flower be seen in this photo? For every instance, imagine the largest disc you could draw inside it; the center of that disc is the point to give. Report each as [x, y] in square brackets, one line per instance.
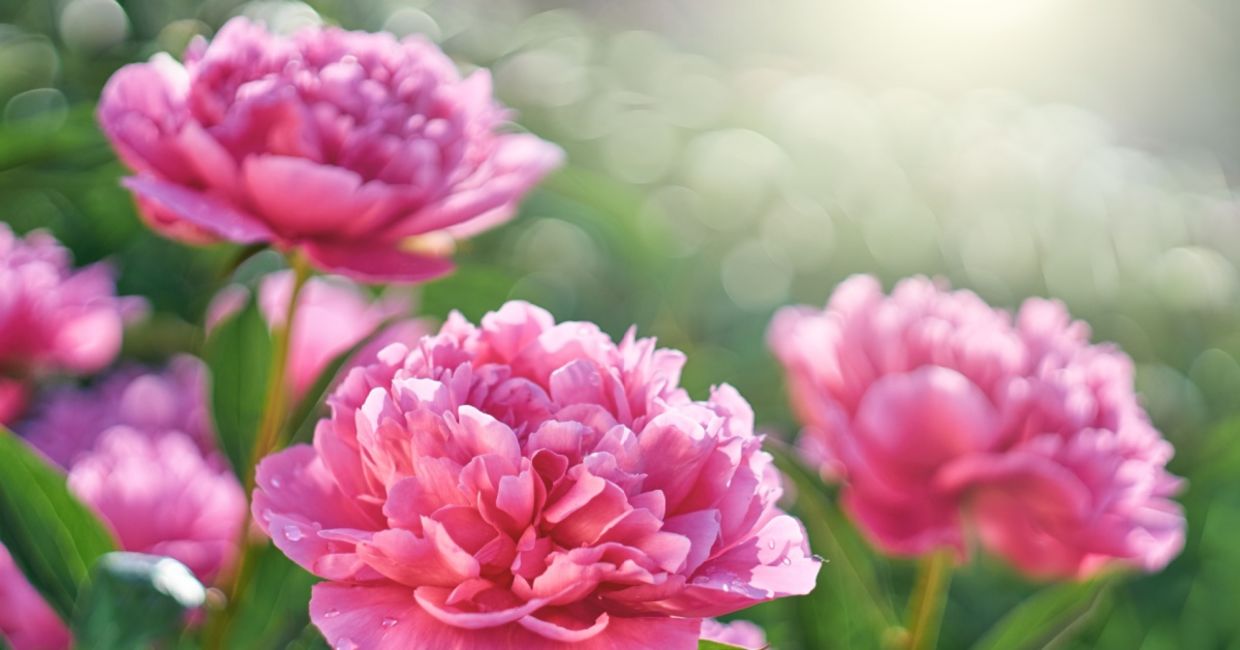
[534, 485]
[940, 413]
[140, 449]
[68, 421]
[53, 318]
[367, 153]
[27, 622]
[333, 315]
[741, 634]
[160, 495]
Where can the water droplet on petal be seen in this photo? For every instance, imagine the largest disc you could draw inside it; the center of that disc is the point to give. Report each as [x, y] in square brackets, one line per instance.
[331, 613]
[346, 644]
[267, 515]
[388, 623]
[726, 587]
[275, 482]
[771, 544]
[787, 561]
[293, 533]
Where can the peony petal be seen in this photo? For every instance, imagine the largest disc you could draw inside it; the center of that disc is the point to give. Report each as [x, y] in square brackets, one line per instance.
[202, 210]
[375, 263]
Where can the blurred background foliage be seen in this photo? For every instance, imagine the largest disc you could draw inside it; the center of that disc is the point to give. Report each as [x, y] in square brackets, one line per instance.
[729, 157]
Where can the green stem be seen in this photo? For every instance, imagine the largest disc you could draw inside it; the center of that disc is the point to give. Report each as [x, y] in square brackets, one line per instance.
[275, 411]
[925, 610]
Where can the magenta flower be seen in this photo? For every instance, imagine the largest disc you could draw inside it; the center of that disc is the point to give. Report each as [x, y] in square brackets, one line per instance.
[67, 422]
[941, 415]
[139, 449]
[741, 634]
[53, 318]
[27, 622]
[160, 495]
[367, 153]
[534, 485]
[333, 315]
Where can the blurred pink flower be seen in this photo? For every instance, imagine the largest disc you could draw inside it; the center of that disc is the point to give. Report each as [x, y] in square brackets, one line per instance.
[528, 484]
[940, 413]
[741, 634]
[333, 315]
[139, 448]
[368, 153]
[27, 622]
[162, 496]
[67, 421]
[53, 318]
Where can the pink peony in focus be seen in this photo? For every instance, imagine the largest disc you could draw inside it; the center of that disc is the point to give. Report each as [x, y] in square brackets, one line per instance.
[368, 153]
[52, 317]
[139, 449]
[67, 421]
[333, 315]
[27, 622]
[741, 634]
[942, 415]
[534, 485]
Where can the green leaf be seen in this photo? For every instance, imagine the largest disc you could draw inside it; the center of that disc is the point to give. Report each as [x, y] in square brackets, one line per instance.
[238, 354]
[275, 611]
[310, 639]
[715, 645]
[135, 600]
[1042, 617]
[52, 537]
[848, 608]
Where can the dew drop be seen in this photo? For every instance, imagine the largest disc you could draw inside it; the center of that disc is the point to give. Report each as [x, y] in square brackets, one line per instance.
[331, 613]
[726, 587]
[787, 561]
[388, 623]
[267, 515]
[771, 545]
[275, 482]
[293, 533]
[346, 644]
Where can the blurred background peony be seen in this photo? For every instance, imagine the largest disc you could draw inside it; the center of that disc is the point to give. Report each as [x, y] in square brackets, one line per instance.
[726, 158]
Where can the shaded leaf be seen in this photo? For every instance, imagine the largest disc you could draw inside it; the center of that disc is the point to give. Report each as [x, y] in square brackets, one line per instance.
[276, 601]
[135, 600]
[238, 353]
[52, 536]
[1043, 616]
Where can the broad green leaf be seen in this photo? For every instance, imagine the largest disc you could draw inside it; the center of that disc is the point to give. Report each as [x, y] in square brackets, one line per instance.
[715, 645]
[52, 537]
[276, 604]
[135, 600]
[1044, 615]
[238, 354]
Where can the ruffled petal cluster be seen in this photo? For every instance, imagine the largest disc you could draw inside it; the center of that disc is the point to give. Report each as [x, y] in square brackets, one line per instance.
[52, 317]
[945, 418]
[532, 484]
[368, 153]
